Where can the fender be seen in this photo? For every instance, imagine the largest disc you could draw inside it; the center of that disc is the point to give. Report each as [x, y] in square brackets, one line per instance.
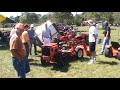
[119, 49]
[79, 47]
[108, 46]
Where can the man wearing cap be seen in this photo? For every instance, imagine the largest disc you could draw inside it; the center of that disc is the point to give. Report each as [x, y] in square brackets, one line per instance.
[46, 35]
[18, 51]
[93, 33]
[32, 36]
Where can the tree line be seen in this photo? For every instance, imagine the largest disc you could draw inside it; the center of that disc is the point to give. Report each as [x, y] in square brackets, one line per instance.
[68, 18]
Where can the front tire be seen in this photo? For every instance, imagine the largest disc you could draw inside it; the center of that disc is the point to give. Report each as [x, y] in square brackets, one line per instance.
[79, 53]
[43, 62]
[108, 52]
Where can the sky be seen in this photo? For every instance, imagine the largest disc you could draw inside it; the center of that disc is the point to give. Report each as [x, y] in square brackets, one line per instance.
[8, 14]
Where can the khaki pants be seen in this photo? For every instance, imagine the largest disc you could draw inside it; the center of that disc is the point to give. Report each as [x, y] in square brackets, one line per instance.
[47, 41]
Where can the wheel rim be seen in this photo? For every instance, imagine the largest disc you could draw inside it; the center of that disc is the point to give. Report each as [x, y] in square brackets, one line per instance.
[80, 53]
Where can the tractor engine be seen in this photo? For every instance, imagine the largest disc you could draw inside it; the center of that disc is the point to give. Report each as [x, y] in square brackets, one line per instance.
[49, 51]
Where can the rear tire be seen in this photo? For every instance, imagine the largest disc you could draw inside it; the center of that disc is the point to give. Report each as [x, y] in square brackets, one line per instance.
[108, 52]
[118, 55]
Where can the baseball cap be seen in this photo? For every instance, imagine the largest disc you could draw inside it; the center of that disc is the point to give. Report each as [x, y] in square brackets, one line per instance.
[90, 22]
[19, 26]
[32, 25]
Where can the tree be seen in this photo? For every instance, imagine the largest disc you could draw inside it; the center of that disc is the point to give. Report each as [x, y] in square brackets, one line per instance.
[43, 18]
[78, 19]
[62, 17]
[116, 17]
[12, 18]
[29, 18]
[97, 16]
[17, 18]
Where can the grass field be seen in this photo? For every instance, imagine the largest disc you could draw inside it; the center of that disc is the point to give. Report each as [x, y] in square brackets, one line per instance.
[104, 67]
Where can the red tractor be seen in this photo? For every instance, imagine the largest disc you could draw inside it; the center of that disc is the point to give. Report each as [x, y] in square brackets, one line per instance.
[61, 51]
[52, 53]
[113, 50]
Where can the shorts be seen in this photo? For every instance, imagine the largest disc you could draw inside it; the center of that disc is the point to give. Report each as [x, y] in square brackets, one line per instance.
[92, 46]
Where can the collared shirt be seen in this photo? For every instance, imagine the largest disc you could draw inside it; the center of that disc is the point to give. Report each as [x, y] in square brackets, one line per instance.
[46, 33]
[16, 43]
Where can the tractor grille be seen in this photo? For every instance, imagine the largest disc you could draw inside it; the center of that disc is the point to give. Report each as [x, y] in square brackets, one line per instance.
[46, 51]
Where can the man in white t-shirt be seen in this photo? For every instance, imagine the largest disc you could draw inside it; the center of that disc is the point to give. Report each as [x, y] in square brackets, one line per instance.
[12, 31]
[93, 34]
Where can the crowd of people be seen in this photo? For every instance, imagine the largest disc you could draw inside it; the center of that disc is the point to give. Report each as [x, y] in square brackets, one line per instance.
[22, 37]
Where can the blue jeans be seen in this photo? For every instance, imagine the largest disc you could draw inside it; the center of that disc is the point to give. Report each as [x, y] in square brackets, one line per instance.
[27, 66]
[19, 66]
[33, 41]
[105, 42]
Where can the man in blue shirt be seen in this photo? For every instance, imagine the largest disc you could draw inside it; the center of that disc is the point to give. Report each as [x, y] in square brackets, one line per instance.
[46, 35]
[32, 36]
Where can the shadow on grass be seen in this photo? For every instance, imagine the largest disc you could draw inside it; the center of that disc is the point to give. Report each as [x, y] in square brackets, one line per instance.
[61, 68]
[84, 31]
[35, 64]
[84, 59]
[38, 63]
[38, 55]
[39, 51]
[32, 60]
[110, 63]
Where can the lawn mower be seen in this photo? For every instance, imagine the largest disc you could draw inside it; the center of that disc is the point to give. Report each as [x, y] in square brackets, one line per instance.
[52, 53]
[113, 50]
[60, 52]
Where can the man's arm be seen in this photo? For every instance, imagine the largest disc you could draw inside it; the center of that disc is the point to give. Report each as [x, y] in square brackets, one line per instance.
[95, 36]
[42, 36]
[108, 32]
[50, 34]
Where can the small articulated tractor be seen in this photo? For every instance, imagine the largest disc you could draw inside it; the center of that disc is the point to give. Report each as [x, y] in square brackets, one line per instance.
[54, 53]
[113, 50]
[61, 51]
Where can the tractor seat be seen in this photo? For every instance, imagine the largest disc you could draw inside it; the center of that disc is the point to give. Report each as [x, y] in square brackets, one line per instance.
[115, 45]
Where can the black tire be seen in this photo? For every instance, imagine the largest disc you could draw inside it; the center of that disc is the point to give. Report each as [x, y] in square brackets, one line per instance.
[43, 62]
[108, 52]
[118, 55]
[79, 54]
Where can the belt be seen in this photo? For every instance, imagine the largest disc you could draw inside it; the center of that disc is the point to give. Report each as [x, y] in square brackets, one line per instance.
[46, 37]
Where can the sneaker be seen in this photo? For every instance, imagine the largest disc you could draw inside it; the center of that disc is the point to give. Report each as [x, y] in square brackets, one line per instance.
[36, 54]
[91, 62]
[101, 53]
[94, 60]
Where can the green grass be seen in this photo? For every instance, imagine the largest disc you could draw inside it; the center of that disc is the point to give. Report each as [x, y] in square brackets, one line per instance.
[104, 67]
